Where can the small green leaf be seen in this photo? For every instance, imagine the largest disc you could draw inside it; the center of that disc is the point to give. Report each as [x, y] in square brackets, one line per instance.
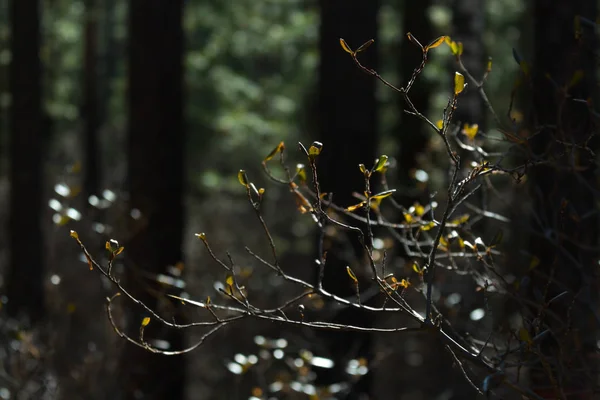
[229, 280]
[145, 321]
[243, 178]
[315, 149]
[362, 168]
[459, 83]
[381, 163]
[301, 172]
[202, 236]
[383, 195]
[435, 43]
[365, 45]
[345, 46]
[356, 206]
[280, 147]
[351, 274]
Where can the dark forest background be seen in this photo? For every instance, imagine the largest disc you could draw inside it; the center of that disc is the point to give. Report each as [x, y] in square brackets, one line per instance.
[130, 119]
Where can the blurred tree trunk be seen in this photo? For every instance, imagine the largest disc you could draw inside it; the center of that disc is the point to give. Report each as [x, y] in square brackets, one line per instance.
[90, 108]
[468, 27]
[565, 198]
[348, 129]
[26, 272]
[412, 133]
[156, 183]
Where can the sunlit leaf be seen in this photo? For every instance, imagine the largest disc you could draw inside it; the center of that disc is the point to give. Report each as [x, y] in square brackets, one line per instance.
[404, 283]
[365, 45]
[362, 168]
[470, 131]
[351, 274]
[459, 83]
[440, 124]
[345, 46]
[280, 147]
[489, 65]
[74, 235]
[435, 43]
[301, 172]
[207, 301]
[145, 321]
[416, 268]
[243, 178]
[315, 149]
[383, 195]
[459, 48]
[202, 236]
[229, 280]
[356, 206]
[419, 209]
[443, 243]
[460, 220]
[118, 251]
[408, 218]
[381, 163]
[430, 225]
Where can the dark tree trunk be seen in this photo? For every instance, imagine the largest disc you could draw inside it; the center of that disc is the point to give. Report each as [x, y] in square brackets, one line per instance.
[565, 197]
[26, 272]
[156, 180]
[90, 108]
[468, 27]
[348, 129]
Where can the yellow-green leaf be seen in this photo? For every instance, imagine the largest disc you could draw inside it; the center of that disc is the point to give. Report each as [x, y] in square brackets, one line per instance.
[202, 236]
[301, 172]
[74, 235]
[243, 178]
[356, 206]
[435, 43]
[381, 163]
[489, 65]
[280, 147]
[470, 131]
[351, 274]
[459, 83]
[416, 268]
[440, 124]
[118, 251]
[383, 195]
[525, 336]
[365, 45]
[404, 283]
[419, 209]
[229, 280]
[345, 46]
[145, 321]
[362, 168]
[459, 48]
[315, 149]
[428, 226]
